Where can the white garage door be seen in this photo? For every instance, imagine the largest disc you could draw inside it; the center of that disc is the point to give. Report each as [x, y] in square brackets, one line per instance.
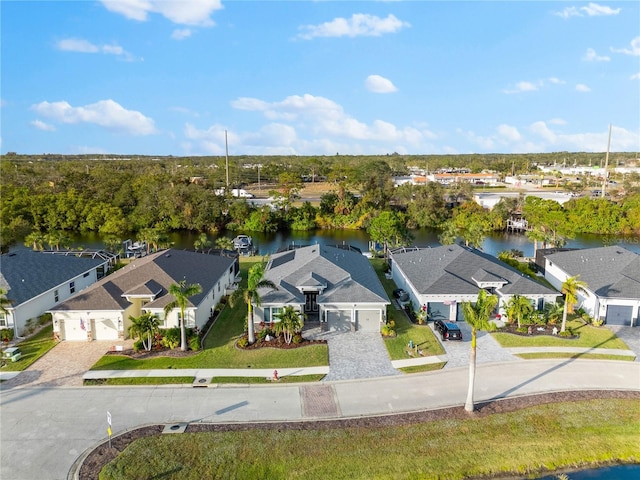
[368, 320]
[73, 331]
[105, 329]
[339, 320]
[619, 315]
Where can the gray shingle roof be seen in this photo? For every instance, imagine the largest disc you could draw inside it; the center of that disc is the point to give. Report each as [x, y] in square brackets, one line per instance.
[348, 276]
[153, 273]
[26, 274]
[451, 269]
[612, 272]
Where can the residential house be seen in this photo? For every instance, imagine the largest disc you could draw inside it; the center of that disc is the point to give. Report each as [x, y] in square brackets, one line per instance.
[332, 285]
[441, 278]
[103, 311]
[612, 275]
[35, 281]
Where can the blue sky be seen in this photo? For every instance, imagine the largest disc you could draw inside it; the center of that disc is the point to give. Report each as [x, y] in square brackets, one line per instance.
[318, 77]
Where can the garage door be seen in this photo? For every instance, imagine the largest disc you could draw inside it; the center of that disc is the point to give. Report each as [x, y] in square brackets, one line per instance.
[73, 331]
[105, 330]
[339, 320]
[368, 320]
[438, 310]
[619, 315]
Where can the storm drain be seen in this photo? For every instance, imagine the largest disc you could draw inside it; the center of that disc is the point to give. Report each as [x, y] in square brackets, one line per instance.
[202, 382]
[175, 428]
[319, 401]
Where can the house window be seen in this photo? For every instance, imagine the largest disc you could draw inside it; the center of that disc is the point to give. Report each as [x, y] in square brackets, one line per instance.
[72, 287]
[56, 297]
[218, 286]
[86, 274]
[3, 320]
[271, 314]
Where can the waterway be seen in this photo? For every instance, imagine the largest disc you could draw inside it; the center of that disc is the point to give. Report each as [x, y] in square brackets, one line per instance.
[616, 472]
[270, 243]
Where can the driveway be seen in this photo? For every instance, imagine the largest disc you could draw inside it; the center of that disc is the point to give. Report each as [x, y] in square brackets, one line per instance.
[62, 366]
[487, 348]
[630, 336]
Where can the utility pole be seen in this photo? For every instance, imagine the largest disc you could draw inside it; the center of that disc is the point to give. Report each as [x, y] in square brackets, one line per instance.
[606, 165]
[226, 148]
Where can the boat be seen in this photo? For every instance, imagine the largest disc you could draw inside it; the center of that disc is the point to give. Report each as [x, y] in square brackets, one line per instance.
[242, 243]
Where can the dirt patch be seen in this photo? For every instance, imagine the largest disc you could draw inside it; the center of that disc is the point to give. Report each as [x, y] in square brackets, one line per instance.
[102, 455]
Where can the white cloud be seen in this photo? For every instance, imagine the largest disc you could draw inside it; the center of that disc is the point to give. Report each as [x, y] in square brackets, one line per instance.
[378, 84]
[591, 10]
[635, 76]
[554, 80]
[592, 56]
[557, 121]
[81, 45]
[509, 133]
[40, 125]
[522, 87]
[634, 50]
[622, 140]
[181, 33]
[358, 25]
[105, 113]
[581, 87]
[182, 12]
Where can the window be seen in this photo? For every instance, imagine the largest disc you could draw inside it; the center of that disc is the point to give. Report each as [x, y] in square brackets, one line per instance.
[218, 286]
[72, 287]
[56, 297]
[271, 314]
[3, 320]
[86, 274]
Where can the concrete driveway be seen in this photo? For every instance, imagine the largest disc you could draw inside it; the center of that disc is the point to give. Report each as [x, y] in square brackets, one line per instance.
[630, 336]
[62, 366]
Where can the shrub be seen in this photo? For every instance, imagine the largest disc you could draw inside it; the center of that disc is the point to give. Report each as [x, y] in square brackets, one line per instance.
[566, 333]
[171, 338]
[523, 330]
[243, 342]
[44, 319]
[387, 330]
[194, 343]
[597, 322]
[297, 338]
[138, 345]
[6, 334]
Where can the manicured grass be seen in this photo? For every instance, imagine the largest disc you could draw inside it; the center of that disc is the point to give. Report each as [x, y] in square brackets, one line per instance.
[522, 442]
[32, 349]
[138, 381]
[252, 380]
[593, 337]
[220, 350]
[421, 335]
[429, 367]
[575, 355]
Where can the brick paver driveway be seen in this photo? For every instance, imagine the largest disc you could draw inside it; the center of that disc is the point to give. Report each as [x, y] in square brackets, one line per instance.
[62, 366]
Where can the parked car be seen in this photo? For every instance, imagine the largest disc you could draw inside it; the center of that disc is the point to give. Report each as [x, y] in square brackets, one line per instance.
[447, 330]
[401, 295]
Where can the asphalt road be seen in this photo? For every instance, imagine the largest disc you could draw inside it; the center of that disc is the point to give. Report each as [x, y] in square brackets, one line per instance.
[44, 430]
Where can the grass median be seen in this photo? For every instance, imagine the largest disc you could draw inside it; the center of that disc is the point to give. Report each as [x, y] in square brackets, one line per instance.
[531, 440]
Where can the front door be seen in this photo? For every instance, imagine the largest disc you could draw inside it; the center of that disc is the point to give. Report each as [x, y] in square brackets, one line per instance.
[311, 305]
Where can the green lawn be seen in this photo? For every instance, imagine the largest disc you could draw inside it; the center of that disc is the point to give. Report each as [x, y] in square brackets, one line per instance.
[421, 335]
[32, 349]
[220, 351]
[519, 443]
[593, 337]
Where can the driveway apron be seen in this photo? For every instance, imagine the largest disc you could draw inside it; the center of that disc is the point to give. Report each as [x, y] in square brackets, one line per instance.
[354, 355]
[630, 336]
[487, 348]
[62, 366]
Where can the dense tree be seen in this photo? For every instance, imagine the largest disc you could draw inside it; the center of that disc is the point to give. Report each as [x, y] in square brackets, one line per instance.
[518, 308]
[427, 208]
[251, 295]
[389, 229]
[181, 292]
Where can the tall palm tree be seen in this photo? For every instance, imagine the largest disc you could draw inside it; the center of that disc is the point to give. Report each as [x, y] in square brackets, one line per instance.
[291, 322]
[181, 293]
[518, 307]
[477, 316]
[144, 327]
[570, 287]
[202, 242]
[224, 243]
[251, 296]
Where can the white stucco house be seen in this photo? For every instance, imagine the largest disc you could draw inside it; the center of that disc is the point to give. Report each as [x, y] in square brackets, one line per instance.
[612, 275]
[102, 311]
[441, 278]
[335, 286]
[36, 281]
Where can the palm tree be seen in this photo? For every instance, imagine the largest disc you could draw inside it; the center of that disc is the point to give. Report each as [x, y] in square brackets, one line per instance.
[477, 316]
[224, 243]
[181, 293]
[250, 294]
[518, 307]
[202, 242]
[144, 327]
[570, 287]
[291, 322]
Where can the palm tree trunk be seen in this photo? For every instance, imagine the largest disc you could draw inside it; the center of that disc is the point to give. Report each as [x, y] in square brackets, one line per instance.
[183, 334]
[468, 406]
[250, 326]
[564, 316]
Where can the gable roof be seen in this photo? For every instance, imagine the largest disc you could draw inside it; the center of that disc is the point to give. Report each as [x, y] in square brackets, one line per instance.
[152, 275]
[453, 269]
[340, 275]
[611, 272]
[25, 273]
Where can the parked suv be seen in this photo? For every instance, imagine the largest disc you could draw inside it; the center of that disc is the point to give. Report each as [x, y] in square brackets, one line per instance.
[447, 330]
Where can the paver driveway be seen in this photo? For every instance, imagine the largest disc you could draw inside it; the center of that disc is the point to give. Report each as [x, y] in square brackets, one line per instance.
[62, 366]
